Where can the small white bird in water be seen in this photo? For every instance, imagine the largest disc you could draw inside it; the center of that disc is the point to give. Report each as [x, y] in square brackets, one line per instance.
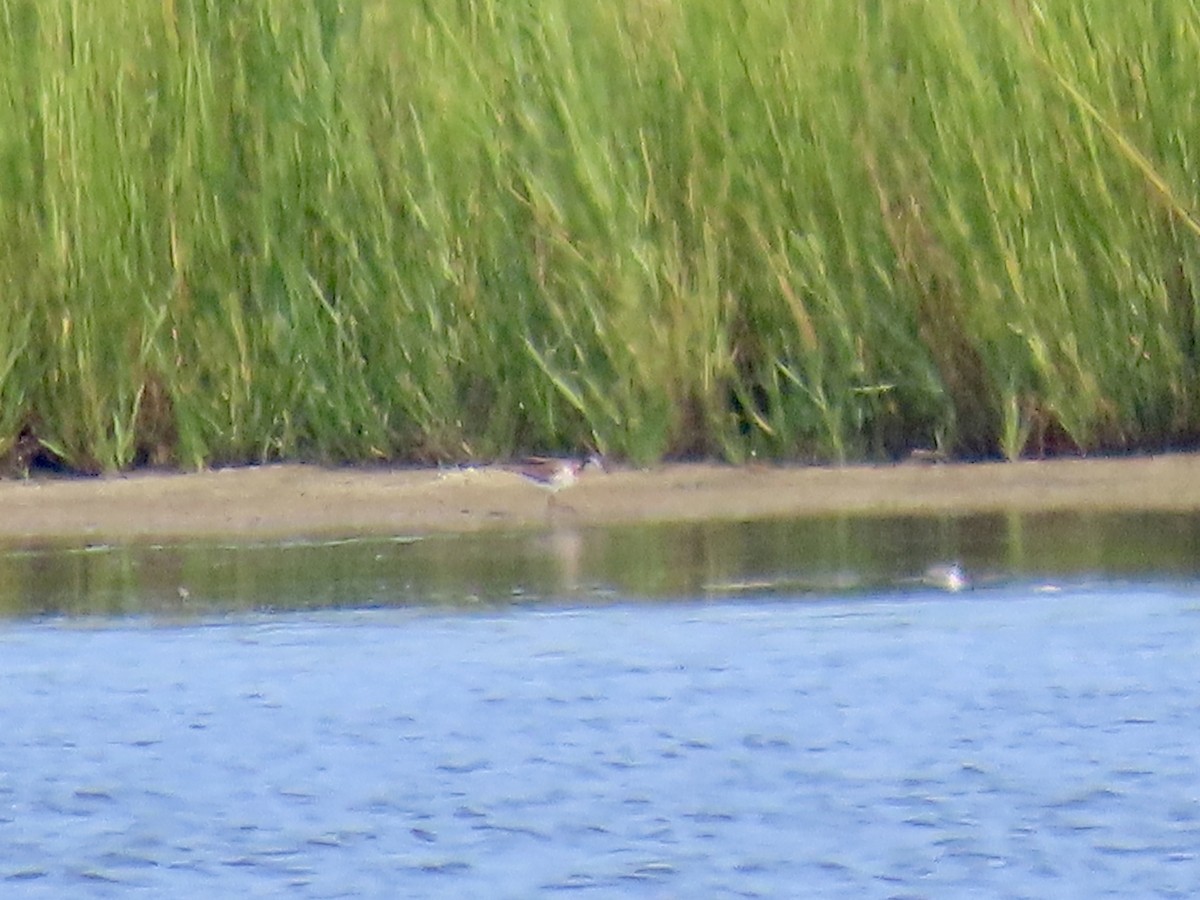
[947, 576]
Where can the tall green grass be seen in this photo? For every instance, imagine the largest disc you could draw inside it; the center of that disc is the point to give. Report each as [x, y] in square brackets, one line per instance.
[266, 229]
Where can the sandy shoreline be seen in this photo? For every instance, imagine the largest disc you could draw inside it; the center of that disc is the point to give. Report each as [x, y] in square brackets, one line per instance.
[283, 501]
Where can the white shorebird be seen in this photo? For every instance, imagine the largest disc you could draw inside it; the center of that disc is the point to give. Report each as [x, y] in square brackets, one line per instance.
[551, 473]
[554, 473]
[947, 576]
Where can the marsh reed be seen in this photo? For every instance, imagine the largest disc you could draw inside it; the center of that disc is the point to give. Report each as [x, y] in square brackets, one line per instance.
[367, 230]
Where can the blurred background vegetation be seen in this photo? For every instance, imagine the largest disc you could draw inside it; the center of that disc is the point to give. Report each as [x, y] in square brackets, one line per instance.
[351, 230]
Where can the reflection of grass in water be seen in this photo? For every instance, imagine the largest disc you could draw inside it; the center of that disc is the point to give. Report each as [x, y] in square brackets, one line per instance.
[770, 560]
[368, 230]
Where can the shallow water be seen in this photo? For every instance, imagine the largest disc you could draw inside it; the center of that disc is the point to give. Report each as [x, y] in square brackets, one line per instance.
[512, 719]
[710, 560]
[1014, 743]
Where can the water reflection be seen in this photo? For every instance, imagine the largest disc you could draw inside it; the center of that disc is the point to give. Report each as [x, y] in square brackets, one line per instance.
[901, 743]
[714, 559]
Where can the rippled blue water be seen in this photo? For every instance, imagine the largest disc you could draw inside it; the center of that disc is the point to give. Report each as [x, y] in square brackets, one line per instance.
[1004, 742]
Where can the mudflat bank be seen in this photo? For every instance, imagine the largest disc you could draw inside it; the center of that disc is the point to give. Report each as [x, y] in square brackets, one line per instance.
[282, 501]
